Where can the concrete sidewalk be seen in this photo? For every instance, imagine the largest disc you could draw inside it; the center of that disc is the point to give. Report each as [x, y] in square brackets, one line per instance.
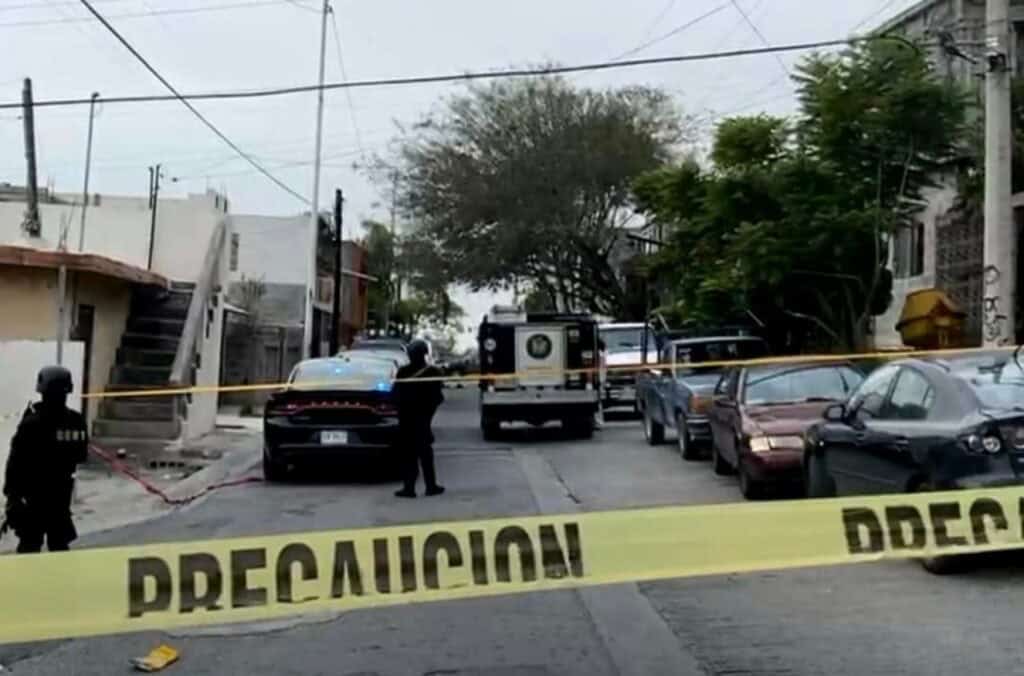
[105, 499]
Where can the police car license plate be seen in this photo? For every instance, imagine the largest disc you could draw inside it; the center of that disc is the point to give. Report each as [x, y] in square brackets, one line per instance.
[333, 437]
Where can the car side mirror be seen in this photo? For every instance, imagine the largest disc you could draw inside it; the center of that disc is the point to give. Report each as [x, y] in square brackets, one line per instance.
[835, 413]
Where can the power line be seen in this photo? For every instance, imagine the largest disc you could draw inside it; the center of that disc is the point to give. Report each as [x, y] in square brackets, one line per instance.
[461, 77]
[188, 105]
[669, 6]
[143, 15]
[673, 32]
[42, 3]
[344, 78]
[298, 5]
[881, 10]
[758, 33]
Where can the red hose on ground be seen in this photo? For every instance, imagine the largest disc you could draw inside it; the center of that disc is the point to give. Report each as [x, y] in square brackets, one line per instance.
[122, 468]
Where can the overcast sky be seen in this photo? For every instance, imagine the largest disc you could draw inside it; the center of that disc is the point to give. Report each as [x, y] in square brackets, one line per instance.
[261, 43]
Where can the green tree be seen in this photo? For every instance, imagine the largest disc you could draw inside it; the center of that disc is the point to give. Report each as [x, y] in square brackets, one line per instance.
[793, 229]
[529, 180]
[380, 253]
[749, 141]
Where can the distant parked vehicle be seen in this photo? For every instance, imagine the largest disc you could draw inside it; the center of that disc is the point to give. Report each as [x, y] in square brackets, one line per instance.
[390, 347]
[677, 393]
[399, 359]
[759, 416]
[624, 348]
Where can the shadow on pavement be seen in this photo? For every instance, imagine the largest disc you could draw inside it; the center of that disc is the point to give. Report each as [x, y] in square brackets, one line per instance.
[342, 472]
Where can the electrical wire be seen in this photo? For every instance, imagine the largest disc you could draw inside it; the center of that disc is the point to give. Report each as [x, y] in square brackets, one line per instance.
[192, 108]
[344, 78]
[758, 33]
[881, 10]
[669, 6]
[460, 77]
[675, 31]
[143, 15]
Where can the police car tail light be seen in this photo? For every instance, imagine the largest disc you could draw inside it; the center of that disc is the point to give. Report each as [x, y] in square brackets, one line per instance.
[387, 409]
[282, 407]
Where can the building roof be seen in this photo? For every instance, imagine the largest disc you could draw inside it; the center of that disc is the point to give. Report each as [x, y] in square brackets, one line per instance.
[28, 257]
[906, 15]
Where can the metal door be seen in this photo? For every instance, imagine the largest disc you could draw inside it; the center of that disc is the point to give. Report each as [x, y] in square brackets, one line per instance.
[540, 354]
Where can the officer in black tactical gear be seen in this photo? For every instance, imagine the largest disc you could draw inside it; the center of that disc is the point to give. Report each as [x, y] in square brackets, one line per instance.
[417, 404]
[48, 445]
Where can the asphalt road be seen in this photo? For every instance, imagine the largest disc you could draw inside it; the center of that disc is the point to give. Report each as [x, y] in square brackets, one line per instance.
[890, 618]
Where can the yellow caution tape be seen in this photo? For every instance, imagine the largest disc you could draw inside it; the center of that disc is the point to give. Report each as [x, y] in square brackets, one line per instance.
[533, 372]
[163, 586]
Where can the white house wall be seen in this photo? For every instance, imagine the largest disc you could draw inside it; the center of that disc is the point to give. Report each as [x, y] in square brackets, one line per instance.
[119, 228]
[20, 361]
[272, 249]
[939, 200]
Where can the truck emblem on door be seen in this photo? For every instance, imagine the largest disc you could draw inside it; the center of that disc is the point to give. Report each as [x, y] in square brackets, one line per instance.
[538, 346]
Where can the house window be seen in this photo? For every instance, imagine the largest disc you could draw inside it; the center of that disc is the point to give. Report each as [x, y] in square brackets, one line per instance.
[908, 251]
[234, 251]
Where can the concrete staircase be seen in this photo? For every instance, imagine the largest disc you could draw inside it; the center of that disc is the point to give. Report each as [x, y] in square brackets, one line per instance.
[144, 426]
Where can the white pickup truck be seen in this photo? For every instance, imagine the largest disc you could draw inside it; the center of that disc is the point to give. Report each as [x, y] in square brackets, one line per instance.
[623, 350]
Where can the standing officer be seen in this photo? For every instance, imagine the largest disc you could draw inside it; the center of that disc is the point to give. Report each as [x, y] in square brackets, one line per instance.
[48, 445]
[417, 404]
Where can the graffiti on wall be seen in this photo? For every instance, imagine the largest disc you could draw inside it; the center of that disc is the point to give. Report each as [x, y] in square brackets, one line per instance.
[994, 321]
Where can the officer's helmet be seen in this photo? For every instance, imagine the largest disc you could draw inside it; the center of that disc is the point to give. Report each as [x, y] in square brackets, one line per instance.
[418, 351]
[53, 380]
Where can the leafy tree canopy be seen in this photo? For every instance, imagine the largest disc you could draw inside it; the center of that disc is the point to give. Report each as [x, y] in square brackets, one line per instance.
[529, 180]
[792, 229]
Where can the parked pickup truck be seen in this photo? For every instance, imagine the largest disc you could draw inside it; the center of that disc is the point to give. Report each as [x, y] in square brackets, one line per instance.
[677, 393]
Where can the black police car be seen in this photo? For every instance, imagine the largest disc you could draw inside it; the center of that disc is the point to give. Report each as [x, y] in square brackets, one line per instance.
[918, 425]
[333, 408]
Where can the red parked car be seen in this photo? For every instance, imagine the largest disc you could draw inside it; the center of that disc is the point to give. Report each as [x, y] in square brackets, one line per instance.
[759, 415]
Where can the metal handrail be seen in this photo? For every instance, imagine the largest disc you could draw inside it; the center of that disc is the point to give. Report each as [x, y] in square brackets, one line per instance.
[196, 307]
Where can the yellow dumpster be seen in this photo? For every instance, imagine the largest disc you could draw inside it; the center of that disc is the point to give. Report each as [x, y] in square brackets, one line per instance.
[931, 321]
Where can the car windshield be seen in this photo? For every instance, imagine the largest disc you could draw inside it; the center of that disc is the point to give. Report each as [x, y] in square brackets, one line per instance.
[387, 355]
[789, 384]
[343, 373]
[387, 346]
[621, 340]
[999, 385]
[714, 351]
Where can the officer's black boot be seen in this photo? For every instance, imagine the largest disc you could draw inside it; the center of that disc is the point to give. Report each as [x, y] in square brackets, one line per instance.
[429, 474]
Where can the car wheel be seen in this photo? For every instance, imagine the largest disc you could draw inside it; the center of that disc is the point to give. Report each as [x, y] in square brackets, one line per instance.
[583, 427]
[491, 428]
[943, 565]
[718, 463]
[751, 489]
[818, 483]
[683, 439]
[272, 471]
[654, 432]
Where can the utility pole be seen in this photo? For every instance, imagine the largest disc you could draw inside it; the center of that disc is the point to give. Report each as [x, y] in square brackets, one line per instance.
[31, 224]
[393, 292]
[62, 290]
[336, 299]
[1000, 271]
[154, 196]
[314, 227]
[88, 162]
